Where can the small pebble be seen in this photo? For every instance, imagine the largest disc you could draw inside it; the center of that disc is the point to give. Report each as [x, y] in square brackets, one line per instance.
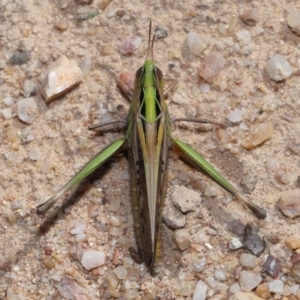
[172, 216]
[235, 115]
[294, 146]
[244, 296]
[213, 64]
[258, 134]
[160, 33]
[293, 242]
[29, 88]
[59, 78]
[289, 203]
[115, 221]
[128, 78]
[116, 231]
[200, 291]
[196, 43]
[181, 238]
[120, 272]
[20, 58]
[185, 199]
[7, 113]
[296, 271]
[85, 66]
[244, 37]
[131, 294]
[129, 45]
[236, 227]
[293, 20]
[199, 266]
[252, 241]
[33, 155]
[278, 68]
[221, 275]
[235, 244]
[263, 291]
[112, 280]
[9, 101]
[250, 16]
[249, 280]
[276, 286]
[79, 226]
[69, 288]
[92, 259]
[248, 260]
[62, 25]
[204, 87]
[27, 110]
[272, 266]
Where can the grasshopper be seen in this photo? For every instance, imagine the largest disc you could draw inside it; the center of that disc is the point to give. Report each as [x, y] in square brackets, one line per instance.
[148, 140]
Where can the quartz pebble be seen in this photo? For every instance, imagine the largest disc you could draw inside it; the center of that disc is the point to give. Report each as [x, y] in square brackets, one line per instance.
[92, 259]
[235, 115]
[221, 275]
[289, 203]
[248, 260]
[250, 16]
[120, 272]
[7, 113]
[69, 288]
[276, 286]
[129, 45]
[214, 63]
[235, 244]
[200, 291]
[27, 110]
[185, 199]
[263, 291]
[181, 238]
[293, 20]
[249, 280]
[172, 216]
[199, 266]
[196, 43]
[60, 77]
[131, 294]
[244, 37]
[278, 68]
[252, 241]
[259, 133]
[9, 101]
[272, 266]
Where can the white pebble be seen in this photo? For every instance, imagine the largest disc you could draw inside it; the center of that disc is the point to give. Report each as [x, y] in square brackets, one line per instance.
[196, 43]
[276, 286]
[33, 155]
[278, 68]
[27, 110]
[205, 88]
[79, 226]
[235, 244]
[115, 221]
[120, 272]
[249, 280]
[248, 260]
[220, 275]
[7, 113]
[92, 259]
[116, 231]
[244, 37]
[235, 115]
[294, 289]
[9, 101]
[199, 266]
[200, 291]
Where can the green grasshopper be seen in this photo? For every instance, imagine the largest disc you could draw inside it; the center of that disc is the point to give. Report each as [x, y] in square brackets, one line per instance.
[148, 141]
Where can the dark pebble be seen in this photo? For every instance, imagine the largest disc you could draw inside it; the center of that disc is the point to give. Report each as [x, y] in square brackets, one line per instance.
[272, 266]
[20, 58]
[252, 242]
[161, 33]
[236, 227]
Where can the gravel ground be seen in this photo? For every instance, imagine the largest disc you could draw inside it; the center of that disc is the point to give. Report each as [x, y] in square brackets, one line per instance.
[41, 257]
